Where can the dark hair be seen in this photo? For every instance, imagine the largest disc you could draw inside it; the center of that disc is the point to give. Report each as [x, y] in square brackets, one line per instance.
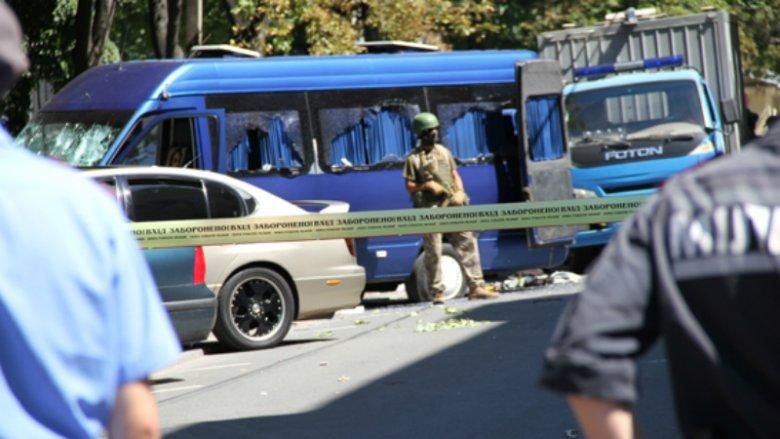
[13, 60]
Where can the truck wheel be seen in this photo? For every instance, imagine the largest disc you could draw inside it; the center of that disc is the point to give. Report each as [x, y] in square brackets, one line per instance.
[452, 275]
[256, 307]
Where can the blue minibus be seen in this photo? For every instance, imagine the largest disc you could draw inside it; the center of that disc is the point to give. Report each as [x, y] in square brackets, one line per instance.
[328, 127]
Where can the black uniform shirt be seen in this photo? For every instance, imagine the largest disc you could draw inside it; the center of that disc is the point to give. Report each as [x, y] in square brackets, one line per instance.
[699, 264]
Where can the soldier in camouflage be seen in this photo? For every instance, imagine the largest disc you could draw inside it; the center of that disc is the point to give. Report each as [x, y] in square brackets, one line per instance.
[432, 180]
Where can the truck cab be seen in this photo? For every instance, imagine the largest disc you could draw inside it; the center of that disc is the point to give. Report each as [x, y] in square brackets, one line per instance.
[630, 132]
[632, 121]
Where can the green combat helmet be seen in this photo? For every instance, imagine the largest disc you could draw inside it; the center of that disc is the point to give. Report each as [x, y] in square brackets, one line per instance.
[424, 121]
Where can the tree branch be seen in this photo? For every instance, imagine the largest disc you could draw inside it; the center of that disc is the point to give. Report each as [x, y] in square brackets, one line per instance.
[83, 32]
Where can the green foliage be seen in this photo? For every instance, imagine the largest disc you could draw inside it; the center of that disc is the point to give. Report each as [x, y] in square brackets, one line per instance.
[276, 27]
[130, 33]
[759, 26]
[331, 27]
[49, 38]
[758, 22]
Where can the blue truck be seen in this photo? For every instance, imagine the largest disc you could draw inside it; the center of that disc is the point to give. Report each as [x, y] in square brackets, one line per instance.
[645, 99]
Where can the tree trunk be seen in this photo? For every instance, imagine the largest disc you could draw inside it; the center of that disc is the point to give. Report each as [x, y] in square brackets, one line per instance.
[158, 25]
[93, 24]
[172, 47]
[164, 17]
[83, 25]
[190, 30]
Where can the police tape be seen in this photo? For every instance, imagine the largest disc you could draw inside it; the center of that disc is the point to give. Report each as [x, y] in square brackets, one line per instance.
[384, 223]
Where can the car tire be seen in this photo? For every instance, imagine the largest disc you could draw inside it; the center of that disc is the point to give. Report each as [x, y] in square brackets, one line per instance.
[255, 309]
[452, 275]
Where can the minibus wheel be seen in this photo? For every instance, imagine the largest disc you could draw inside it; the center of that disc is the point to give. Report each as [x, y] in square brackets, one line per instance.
[454, 279]
[255, 309]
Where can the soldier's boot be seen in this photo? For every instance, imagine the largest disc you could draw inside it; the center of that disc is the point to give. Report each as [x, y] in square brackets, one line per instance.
[477, 292]
[438, 298]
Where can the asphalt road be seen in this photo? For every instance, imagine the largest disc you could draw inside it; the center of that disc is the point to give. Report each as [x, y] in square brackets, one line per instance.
[395, 371]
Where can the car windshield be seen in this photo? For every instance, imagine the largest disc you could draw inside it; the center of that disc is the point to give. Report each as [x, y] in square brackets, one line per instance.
[619, 111]
[78, 138]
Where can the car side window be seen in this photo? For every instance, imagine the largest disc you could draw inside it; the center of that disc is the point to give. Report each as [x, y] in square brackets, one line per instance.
[163, 199]
[224, 202]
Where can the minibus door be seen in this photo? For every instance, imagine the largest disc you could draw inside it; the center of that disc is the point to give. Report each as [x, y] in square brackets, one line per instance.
[188, 139]
[543, 142]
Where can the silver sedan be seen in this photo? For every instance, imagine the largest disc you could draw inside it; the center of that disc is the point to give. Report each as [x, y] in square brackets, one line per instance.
[262, 287]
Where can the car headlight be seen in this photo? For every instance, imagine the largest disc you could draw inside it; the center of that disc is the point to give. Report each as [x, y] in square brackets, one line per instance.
[705, 147]
[584, 193]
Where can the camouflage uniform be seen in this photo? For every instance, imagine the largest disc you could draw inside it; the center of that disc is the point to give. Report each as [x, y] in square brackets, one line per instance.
[465, 245]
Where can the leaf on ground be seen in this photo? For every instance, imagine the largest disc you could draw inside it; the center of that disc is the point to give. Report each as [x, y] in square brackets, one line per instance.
[343, 379]
[361, 322]
[451, 310]
[325, 334]
[447, 325]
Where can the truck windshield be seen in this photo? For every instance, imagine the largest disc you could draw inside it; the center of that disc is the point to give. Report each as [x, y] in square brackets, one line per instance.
[619, 111]
[78, 138]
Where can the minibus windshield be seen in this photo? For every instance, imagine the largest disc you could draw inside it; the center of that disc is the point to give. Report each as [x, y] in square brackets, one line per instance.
[79, 138]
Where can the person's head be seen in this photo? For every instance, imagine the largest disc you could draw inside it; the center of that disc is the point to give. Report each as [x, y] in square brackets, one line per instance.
[13, 60]
[426, 127]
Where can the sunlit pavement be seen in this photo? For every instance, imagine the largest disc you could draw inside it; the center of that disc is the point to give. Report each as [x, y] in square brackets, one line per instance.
[464, 369]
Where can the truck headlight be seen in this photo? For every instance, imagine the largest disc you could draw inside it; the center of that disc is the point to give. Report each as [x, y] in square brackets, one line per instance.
[705, 147]
[584, 193]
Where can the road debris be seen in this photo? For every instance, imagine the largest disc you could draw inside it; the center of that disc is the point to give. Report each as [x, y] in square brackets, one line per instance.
[565, 277]
[356, 310]
[536, 278]
[361, 322]
[325, 334]
[447, 325]
[343, 379]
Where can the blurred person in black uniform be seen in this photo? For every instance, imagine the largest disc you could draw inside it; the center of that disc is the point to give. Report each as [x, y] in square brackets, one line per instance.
[771, 121]
[698, 264]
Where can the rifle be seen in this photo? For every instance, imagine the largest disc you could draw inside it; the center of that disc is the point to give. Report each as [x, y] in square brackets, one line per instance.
[452, 196]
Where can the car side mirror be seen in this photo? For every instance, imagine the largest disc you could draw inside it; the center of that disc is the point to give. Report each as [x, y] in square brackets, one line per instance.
[729, 110]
